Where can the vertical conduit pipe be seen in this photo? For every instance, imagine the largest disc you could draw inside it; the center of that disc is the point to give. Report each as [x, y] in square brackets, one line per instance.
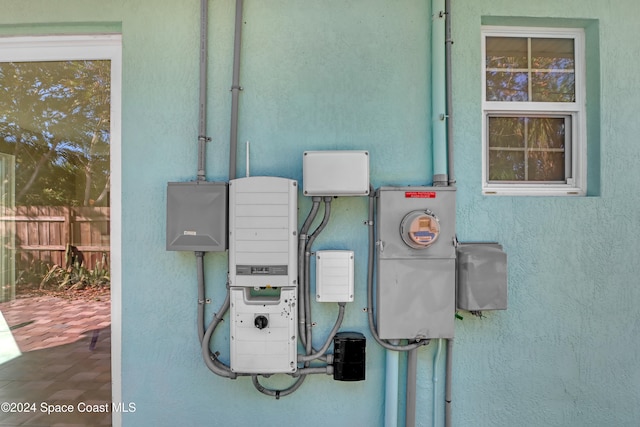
[447, 390]
[235, 91]
[307, 272]
[302, 285]
[201, 293]
[412, 378]
[447, 54]
[452, 181]
[202, 110]
[436, 364]
[392, 369]
[438, 95]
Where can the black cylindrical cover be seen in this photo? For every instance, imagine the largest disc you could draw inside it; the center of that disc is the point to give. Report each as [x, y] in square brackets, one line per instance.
[349, 350]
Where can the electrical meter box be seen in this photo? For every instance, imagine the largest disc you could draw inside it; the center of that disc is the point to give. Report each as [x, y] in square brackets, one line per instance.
[334, 276]
[416, 262]
[197, 216]
[335, 173]
[482, 277]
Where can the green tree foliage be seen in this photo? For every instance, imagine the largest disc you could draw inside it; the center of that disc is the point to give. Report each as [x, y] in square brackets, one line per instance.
[55, 120]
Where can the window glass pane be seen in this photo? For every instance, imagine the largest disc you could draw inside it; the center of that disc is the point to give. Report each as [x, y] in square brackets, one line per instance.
[546, 132]
[506, 165]
[506, 64]
[506, 132]
[551, 70]
[506, 52]
[507, 86]
[552, 54]
[553, 87]
[55, 124]
[55, 120]
[553, 62]
[546, 166]
[527, 148]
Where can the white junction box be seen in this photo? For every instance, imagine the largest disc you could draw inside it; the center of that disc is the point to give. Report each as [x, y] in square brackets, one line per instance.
[334, 276]
[335, 173]
[263, 221]
[263, 331]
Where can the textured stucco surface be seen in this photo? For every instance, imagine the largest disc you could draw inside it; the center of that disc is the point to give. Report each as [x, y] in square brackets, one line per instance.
[355, 75]
[565, 353]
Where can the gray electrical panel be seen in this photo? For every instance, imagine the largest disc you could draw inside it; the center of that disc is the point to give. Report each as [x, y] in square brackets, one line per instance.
[197, 216]
[482, 277]
[416, 261]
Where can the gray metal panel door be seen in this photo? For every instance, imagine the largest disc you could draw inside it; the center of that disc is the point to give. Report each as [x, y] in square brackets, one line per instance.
[416, 298]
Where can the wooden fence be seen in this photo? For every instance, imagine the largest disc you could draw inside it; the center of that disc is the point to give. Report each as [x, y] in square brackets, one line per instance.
[42, 234]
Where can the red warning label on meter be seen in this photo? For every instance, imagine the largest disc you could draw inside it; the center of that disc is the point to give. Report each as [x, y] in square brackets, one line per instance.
[419, 194]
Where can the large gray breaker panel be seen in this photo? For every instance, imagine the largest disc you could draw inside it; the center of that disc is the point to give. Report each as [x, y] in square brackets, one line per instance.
[416, 261]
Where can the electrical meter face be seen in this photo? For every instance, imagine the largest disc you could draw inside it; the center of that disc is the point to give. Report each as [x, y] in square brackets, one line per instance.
[420, 229]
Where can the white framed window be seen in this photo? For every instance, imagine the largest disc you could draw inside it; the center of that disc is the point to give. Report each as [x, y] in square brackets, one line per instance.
[534, 111]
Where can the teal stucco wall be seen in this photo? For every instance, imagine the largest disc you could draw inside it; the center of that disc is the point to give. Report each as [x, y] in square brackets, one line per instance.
[355, 75]
[565, 353]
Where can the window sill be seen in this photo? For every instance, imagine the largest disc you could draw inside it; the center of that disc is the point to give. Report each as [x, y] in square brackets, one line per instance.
[501, 190]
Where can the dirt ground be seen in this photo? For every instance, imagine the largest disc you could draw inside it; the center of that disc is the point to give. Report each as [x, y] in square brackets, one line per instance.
[101, 293]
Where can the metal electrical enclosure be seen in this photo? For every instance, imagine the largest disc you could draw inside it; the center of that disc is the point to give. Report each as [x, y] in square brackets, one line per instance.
[197, 216]
[263, 274]
[335, 173]
[482, 277]
[416, 261]
[263, 221]
[263, 331]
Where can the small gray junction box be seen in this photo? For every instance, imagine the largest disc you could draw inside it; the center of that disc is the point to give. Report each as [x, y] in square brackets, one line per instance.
[482, 277]
[197, 216]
